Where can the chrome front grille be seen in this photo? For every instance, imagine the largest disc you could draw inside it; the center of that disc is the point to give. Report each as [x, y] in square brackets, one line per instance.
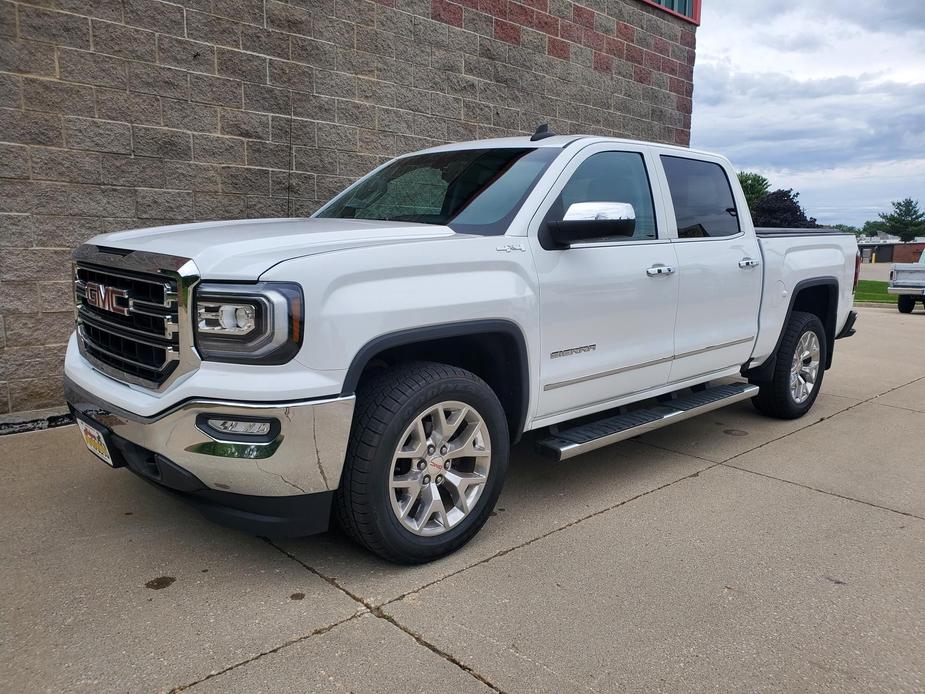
[132, 322]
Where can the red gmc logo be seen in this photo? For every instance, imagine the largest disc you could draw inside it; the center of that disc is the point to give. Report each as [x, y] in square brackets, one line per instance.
[104, 297]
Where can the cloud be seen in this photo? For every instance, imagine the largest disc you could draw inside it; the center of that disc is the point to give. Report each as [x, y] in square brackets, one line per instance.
[874, 16]
[838, 106]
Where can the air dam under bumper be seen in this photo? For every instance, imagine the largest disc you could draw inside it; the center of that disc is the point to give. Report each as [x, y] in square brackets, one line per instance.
[282, 485]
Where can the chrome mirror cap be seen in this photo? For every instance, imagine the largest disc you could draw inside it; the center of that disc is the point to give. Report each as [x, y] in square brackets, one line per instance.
[592, 211]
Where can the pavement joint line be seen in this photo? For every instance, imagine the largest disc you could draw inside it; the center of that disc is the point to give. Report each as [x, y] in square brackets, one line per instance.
[823, 491]
[898, 407]
[290, 642]
[823, 419]
[379, 614]
[525, 543]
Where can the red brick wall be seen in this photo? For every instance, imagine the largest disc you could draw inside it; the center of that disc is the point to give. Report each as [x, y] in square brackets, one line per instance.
[119, 114]
[908, 252]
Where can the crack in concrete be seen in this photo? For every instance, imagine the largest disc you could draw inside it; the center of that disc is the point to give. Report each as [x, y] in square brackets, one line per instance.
[290, 642]
[526, 543]
[378, 613]
[440, 652]
[823, 491]
[824, 419]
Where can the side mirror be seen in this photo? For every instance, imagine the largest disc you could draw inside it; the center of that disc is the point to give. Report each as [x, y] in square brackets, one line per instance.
[590, 221]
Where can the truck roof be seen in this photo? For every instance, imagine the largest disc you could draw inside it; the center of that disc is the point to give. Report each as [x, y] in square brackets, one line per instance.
[553, 141]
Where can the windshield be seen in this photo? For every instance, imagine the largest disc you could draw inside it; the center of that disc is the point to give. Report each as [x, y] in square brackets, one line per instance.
[473, 191]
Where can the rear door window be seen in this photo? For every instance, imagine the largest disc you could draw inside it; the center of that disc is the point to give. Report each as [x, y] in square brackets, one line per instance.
[702, 197]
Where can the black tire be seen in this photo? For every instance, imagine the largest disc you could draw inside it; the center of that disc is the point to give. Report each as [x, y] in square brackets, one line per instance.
[775, 399]
[386, 405]
[905, 303]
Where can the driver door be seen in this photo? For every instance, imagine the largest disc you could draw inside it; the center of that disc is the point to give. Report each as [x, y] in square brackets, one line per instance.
[607, 308]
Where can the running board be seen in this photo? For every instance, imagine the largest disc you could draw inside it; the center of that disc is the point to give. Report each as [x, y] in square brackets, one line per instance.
[568, 443]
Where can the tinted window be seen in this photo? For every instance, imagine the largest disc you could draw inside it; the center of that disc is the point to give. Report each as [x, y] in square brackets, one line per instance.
[702, 198]
[475, 191]
[611, 177]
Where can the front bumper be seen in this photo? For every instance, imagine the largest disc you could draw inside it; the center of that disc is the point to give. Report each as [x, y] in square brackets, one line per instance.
[303, 460]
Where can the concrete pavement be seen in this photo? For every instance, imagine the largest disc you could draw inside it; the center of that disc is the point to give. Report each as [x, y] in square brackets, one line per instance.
[727, 552]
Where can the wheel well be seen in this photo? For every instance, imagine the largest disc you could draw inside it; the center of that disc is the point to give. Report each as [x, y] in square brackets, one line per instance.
[817, 296]
[822, 301]
[498, 357]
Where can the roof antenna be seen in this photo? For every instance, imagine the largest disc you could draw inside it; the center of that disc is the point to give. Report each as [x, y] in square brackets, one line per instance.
[542, 132]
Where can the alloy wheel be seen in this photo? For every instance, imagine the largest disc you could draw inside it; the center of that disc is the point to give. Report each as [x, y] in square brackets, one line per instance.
[440, 468]
[804, 369]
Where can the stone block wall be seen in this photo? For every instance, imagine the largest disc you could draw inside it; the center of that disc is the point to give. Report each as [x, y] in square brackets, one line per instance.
[119, 114]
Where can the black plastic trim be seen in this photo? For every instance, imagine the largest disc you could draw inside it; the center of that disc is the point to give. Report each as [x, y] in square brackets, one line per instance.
[848, 329]
[765, 370]
[436, 332]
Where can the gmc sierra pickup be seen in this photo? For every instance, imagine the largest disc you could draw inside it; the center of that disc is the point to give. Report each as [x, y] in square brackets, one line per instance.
[376, 361]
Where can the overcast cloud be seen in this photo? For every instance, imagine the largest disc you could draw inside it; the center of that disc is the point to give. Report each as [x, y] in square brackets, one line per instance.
[826, 98]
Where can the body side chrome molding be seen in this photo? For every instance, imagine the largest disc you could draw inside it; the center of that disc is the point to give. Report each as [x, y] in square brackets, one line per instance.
[654, 362]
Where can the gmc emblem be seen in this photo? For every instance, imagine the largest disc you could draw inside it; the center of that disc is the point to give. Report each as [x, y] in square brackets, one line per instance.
[104, 297]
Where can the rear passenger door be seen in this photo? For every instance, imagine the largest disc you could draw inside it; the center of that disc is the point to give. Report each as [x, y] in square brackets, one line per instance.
[719, 270]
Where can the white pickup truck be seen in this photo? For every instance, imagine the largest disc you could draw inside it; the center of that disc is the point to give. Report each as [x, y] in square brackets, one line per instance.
[907, 282]
[376, 361]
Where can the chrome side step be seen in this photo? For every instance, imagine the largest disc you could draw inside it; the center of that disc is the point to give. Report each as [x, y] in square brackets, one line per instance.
[568, 443]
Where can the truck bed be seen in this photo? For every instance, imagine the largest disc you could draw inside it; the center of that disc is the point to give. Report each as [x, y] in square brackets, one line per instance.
[793, 259]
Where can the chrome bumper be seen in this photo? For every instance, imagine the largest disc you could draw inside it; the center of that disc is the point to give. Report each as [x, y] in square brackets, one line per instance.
[917, 291]
[307, 456]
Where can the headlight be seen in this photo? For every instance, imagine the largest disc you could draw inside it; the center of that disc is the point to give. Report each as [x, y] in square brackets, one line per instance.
[247, 323]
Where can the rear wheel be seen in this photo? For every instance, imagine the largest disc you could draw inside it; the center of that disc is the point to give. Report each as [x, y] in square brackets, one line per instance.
[426, 461]
[798, 372]
[905, 303]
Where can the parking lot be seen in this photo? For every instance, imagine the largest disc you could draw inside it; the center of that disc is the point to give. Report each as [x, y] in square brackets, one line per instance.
[728, 552]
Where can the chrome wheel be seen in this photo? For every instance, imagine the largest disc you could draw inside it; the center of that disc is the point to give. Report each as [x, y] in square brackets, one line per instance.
[440, 468]
[804, 369]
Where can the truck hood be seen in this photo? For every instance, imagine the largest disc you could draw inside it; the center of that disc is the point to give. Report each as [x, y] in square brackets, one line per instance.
[245, 249]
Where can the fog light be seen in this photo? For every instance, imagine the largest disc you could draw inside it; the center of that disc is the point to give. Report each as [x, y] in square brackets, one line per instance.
[241, 428]
[236, 426]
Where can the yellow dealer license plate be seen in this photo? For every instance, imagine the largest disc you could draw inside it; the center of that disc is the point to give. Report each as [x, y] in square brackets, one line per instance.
[95, 441]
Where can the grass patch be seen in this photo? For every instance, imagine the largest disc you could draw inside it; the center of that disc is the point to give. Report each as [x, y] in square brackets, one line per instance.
[872, 290]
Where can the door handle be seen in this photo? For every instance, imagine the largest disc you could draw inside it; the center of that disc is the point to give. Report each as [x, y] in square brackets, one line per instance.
[659, 269]
[749, 262]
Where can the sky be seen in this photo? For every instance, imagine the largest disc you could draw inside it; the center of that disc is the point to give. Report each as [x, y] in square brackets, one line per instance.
[822, 96]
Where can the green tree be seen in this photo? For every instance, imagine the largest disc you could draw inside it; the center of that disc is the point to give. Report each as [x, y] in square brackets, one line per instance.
[872, 228]
[905, 221]
[755, 187]
[781, 210]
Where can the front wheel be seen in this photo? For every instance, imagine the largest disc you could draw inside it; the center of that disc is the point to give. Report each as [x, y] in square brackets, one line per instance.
[905, 303]
[798, 372]
[425, 464]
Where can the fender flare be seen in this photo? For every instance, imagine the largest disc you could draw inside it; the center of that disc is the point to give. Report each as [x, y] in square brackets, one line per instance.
[765, 370]
[439, 331]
